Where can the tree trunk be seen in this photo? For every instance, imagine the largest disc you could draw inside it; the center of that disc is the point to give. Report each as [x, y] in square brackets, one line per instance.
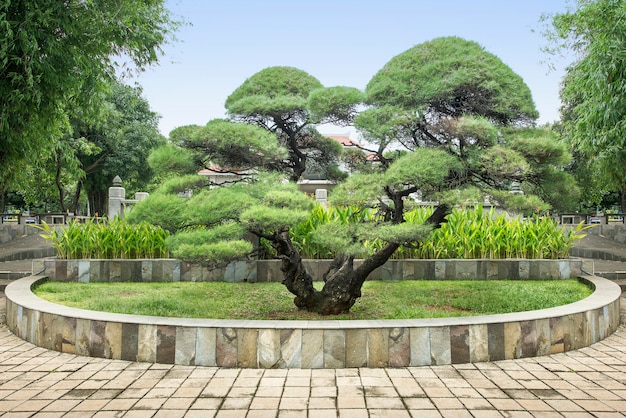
[342, 282]
[79, 189]
[59, 184]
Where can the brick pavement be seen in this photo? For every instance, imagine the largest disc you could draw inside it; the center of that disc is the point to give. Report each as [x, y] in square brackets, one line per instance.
[590, 382]
[35, 382]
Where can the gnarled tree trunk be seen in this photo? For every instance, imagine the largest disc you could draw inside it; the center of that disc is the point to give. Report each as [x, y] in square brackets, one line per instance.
[342, 281]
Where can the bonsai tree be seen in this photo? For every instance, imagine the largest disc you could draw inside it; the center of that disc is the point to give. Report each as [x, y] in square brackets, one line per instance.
[272, 127]
[434, 116]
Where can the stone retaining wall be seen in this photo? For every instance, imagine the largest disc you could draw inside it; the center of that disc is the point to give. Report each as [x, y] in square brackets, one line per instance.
[312, 344]
[10, 231]
[616, 232]
[154, 270]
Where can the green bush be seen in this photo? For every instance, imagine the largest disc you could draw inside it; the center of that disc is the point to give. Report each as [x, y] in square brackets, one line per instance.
[107, 240]
[468, 233]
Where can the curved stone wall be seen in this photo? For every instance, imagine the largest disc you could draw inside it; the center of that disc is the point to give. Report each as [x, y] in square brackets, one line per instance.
[313, 344]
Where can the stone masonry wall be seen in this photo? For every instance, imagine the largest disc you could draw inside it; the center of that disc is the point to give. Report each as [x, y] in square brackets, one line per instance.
[269, 270]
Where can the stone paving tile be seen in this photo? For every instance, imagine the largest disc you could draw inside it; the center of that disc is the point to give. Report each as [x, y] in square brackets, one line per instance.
[590, 382]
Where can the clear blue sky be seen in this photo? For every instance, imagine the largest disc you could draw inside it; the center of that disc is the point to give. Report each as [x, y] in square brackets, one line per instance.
[340, 42]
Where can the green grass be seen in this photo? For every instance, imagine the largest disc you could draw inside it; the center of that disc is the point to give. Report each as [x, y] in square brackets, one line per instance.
[380, 300]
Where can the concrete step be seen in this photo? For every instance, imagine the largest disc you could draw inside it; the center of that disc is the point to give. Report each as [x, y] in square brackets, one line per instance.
[13, 275]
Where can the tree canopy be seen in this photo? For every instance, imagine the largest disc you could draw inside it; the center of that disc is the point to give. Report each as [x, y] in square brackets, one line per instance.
[453, 141]
[277, 99]
[453, 77]
[94, 149]
[57, 56]
[593, 92]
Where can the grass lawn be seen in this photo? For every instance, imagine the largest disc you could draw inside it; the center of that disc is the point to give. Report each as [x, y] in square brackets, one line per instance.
[380, 300]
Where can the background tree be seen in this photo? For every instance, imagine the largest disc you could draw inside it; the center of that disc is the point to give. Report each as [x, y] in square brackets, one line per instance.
[435, 118]
[56, 56]
[96, 148]
[593, 92]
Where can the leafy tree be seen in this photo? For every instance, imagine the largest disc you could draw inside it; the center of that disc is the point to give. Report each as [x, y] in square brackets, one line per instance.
[593, 92]
[94, 151]
[435, 116]
[57, 56]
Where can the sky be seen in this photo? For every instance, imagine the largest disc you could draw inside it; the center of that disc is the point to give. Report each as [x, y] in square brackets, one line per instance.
[339, 42]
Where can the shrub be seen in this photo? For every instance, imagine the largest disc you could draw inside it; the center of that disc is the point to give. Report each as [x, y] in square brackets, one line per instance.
[107, 239]
[468, 233]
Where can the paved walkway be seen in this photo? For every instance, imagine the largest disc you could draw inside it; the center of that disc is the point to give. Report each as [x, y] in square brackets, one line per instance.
[590, 382]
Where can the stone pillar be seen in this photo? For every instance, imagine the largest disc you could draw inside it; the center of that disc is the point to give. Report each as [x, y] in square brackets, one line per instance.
[141, 196]
[117, 195]
[321, 195]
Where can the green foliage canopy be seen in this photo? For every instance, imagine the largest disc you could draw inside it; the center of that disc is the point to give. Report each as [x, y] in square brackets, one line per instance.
[287, 102]
[56, 56]
[453, 77]
[594, 88]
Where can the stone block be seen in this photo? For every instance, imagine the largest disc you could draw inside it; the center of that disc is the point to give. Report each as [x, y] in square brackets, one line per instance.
[115, 271]
[147, 343]
[578, 340]
[97, 339]
[226, 347]
[130, 341]
[399, 347]
[459, 344]
[568, 332]
[146, 271]
[186, 346]
[523, 269]
[60, 270]
[440, 269]
[206, 347]
[378, 347]
[50, 268]
[72, 270]
[83, 330]
[542, 329]
[356, 343]
[465, 269]
[556, 335]
[420, 346]
[290, 348]
[440, 351]
[528, 339]
[479, 343]
[564, 266]
[496, 341]
[312, 348]
[268, 350]
[334, 349]
[247, 347]
[68, 342]
[78, 271]
[166, 344]
[512, 340]
[113, 340]
[492, 269]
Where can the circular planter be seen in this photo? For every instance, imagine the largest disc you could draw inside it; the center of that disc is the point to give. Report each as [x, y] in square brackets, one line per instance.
[313, 344]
